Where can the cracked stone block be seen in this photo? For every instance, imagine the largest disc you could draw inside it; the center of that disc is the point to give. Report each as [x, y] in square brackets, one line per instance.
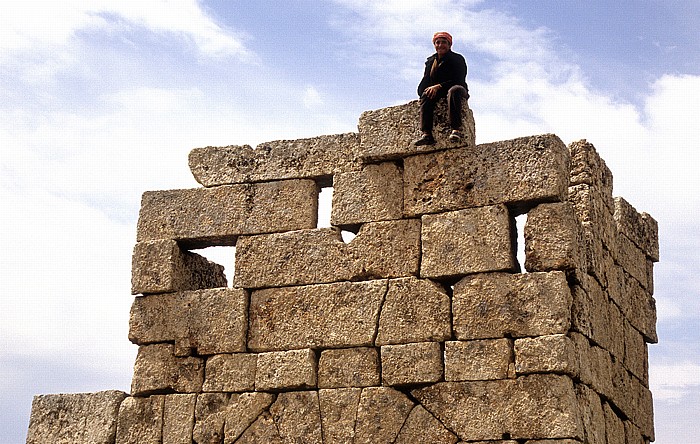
[496, 305]
[242, 411]
[422, 427]
[546, 354]
[284, 370]
[141, 420]
[160, 266]
[416, 363]
[338, 414]
[478, 360]
[230, 373]
[519, 172]
[389, 133]
[61, 418]
[263, 430]
[210, 416]
[344, 314]
[380, 250]
[204, 217]
[463, 242]
[313, 157]
[298, 417]
[372, 194]
[178, 418]
[554, 240]
[158, 369]
[529, 407]
[348, 367]
[381, 413]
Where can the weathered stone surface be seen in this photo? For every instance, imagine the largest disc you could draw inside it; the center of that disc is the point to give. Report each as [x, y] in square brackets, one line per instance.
[520, 172]
[284, 370]
[338, 414]
[636, 354]
[633, 261]
[414, 310]
[633, 399]
[140, 421]
[157, 369]
[496, 305]
[529, 407]
[380, 250]
[263, 430]
[160, 266]
[587, 167]
[230, 373]
[298, 417]
[553, 239]
[592, 416]
[546, 354]
[614, 426]
[210, 416]
[641, 229]
[422, 427]
[380, 415]
[203, 217]
[416, 363]
[478, 360]
[467, 241]
[80, 417]
[641, 312]
[178, 418]
[336, 315]
[389, 133]
[207, 321]
[348, 367]
[280, 159]
[375, 193]
[243, 409]
[591, 313]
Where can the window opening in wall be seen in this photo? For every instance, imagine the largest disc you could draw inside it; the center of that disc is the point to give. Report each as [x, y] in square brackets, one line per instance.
[520, 241]
[225, 256]
[325, 204]
[347, 236]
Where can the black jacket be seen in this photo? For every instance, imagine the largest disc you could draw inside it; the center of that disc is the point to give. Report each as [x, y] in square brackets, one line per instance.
[451, 71]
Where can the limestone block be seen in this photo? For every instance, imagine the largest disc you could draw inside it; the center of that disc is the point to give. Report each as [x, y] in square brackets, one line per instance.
[298, 417]
[178, 418]
[641, 229]
[416, 363]
[160, 266]
[203, 217]
[414, 310]
[263, 430]
[614, 426]
[280, 159]
[61, 418]
[343, 314]
[591, 312]
[633, 261]
[520, 172]
[230, 373]
[389, 133]
[496, 305]
[372, 194]
[587, 167]
[140, 421]
[467, 241]
[529, 407]
[592, 416]
[157, 369]
[243, 409]
[380, 250]
[546, 354]
[381, 413]
[642, 309]
[594, 364]
[633, 435]
[478, 360]
[554, 240]
[633, 399]
[422, 427]
[348, 367]
[338, 414]
[208, 321]
[210, 416]
[286, 370]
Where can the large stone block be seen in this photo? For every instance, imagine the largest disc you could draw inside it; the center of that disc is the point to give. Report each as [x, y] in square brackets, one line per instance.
[160, 266]
[284, 370]
[280, 159]
[592, 416]
[343, 314]
[230, 373]
[546, 354]
[242, 411]
[338, 414]
[478, 360]
[178, 418]
[381, 413]
[157, 369]
[497, 305]
[203, 217]
[206, 321]
[416, 363]
[375, 193]
[262, 430]
[529, 407]
[614, 426]
[298, 417]
[210, 416]
[389, 133]
[554, 239]
[633, 261]
[587, 167]
[422, 427]
[140, 420]
[591, 312]
[348, 367]
[414, 310]
[61, 419]
[520, 172]
[642, 309]
[641, 229]
[467, 241]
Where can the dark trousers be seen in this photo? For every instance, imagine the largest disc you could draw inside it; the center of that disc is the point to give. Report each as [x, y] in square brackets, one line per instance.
[454, 108]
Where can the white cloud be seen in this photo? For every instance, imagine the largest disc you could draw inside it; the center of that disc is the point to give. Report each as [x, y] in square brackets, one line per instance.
[673, 382]
[312, 98]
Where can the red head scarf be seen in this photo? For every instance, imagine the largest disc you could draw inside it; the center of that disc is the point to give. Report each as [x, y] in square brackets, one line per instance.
[443, 35]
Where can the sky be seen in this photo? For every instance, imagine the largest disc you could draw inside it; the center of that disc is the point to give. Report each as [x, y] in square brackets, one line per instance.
[102, 100]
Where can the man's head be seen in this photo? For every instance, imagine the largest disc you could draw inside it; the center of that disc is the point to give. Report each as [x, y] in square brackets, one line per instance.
[442, 42]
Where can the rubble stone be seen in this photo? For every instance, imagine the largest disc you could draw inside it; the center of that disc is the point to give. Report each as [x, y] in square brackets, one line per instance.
[348, 367]
[291, 369]
[158, 369]
[230, 373]
[416, 363]
[478, 360]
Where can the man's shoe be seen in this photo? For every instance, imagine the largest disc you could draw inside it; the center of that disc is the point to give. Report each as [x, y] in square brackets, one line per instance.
[455, 136]
[426, 139]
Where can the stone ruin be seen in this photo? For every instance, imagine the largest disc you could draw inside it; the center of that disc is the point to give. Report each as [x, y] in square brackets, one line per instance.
[424, 328]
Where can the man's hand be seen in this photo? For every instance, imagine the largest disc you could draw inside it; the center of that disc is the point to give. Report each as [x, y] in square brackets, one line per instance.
[431, 91]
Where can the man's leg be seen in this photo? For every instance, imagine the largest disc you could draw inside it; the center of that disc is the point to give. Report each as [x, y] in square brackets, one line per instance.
[454, 105]
[425, 110]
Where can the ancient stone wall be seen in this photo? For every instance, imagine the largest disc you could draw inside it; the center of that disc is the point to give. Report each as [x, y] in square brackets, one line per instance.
[424, 328]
